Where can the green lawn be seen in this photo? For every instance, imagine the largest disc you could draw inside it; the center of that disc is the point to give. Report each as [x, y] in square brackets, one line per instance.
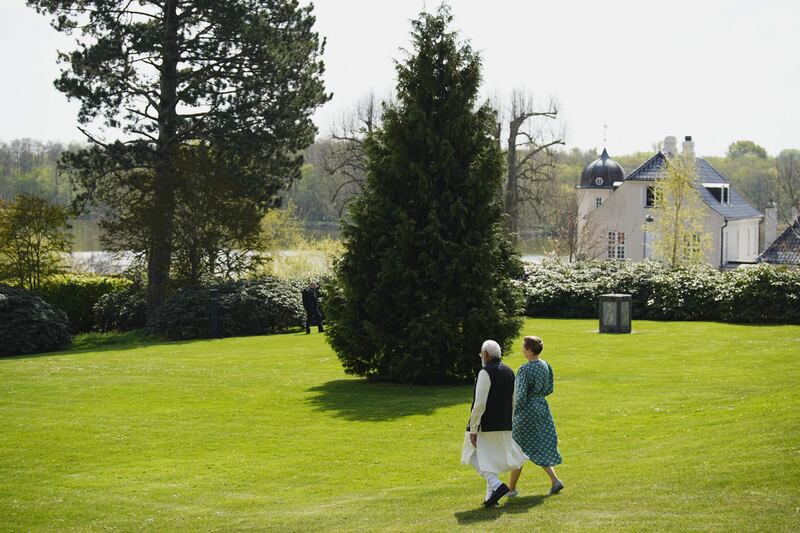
[679, 426]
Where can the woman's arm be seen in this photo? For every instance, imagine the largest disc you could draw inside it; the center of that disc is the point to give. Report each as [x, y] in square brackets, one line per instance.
[548, 386]
[521, 389]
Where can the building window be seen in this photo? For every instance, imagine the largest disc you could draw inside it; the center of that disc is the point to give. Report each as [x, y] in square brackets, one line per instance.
[598, 202]
[691, 246]
[650, 197]
[720, 191]
[616, 245]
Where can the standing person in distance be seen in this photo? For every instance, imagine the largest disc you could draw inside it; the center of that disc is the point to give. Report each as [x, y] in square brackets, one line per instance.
[311, 305]
[534, 429]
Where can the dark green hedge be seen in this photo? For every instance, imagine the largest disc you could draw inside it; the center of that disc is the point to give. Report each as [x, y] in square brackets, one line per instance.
[757, 294]
[123, 310]
[76, 295]
[28, 324]
[268, 305]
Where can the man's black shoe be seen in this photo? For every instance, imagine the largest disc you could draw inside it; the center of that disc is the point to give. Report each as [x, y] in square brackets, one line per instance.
[498, 493]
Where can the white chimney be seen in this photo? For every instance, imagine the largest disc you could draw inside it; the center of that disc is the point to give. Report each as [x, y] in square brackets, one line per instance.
[770, 224]
[670, 146]
[688, 148]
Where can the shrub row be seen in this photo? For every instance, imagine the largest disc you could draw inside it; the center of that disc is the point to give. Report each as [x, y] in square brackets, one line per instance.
[268, 305]
[77, 295]
[757, 294]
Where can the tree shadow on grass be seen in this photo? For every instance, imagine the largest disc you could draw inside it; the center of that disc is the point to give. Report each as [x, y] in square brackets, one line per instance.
[105, 342]
[511, 506]
[368, 401]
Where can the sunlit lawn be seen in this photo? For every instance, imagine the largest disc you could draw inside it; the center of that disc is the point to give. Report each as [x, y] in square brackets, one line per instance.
[680, 426]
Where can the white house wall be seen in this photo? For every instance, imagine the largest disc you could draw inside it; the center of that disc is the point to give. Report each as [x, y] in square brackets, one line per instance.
[741, 240]
[713, 223]
[625, 211]
[587, 200]
[622, 211]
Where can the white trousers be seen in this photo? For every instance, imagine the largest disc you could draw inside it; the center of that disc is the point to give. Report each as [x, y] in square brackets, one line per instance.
[492, 481]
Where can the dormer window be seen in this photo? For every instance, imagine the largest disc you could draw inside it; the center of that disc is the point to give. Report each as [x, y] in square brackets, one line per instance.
[720, 191]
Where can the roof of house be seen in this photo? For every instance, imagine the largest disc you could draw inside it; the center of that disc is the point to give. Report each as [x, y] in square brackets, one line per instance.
[602, 173]
[786, 248]
[737, 208]
[650, 170]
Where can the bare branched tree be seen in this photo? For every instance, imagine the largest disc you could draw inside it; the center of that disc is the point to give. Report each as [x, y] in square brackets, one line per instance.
[786, 186]
[569, 238]
[533, 135]
[343, 153]
[565, 223]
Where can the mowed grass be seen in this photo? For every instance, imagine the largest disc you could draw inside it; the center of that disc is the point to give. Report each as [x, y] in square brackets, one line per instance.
[679, 426]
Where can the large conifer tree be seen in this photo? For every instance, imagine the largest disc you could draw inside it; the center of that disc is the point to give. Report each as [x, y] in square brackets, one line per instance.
[427, 272]
[233, 83]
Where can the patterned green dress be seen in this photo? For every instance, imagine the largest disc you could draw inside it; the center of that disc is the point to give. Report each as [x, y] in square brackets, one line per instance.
[534, 429]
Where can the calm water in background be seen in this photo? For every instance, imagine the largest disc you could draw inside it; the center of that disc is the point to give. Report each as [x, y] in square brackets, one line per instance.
[87, 249]
[85, 235]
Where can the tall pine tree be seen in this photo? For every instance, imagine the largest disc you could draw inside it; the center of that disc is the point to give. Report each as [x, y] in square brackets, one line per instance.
[427, 272]
[234, 81]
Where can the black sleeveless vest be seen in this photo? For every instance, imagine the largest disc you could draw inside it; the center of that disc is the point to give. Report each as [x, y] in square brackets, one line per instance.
[497, 416]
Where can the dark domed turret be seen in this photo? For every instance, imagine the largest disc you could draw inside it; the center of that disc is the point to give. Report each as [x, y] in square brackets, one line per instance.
[602, 173]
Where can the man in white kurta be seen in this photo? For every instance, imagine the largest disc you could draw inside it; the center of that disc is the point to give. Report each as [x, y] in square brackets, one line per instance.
[488, 445]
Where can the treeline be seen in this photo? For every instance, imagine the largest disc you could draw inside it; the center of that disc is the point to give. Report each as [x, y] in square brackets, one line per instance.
[28, 166]
[321, 197]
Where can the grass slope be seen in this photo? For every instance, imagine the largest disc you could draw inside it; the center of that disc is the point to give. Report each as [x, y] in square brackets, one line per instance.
[680, 426]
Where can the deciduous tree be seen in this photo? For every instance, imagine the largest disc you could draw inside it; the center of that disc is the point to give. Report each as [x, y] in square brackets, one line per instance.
[740, 148]
[786, 185]
[678, 228]
[33, 236]
[530, 155]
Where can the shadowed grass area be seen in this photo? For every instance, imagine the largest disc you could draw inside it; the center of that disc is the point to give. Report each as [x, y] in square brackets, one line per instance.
[679, 426]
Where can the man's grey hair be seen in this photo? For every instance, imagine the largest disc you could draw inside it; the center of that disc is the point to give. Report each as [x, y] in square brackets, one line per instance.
[492, 348]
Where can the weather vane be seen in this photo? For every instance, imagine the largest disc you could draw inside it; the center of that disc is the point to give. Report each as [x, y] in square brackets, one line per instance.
[605, 135]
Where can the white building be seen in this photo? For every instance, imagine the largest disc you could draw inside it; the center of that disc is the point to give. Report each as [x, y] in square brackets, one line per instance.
[614, 210]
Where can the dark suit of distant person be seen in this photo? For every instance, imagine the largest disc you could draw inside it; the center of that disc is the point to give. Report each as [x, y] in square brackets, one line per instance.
[311, 305]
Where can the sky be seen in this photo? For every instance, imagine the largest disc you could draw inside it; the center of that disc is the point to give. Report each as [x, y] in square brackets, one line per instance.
[719, 70]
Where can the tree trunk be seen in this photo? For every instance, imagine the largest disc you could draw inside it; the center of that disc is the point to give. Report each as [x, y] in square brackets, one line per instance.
[511, 203]
[160, 253]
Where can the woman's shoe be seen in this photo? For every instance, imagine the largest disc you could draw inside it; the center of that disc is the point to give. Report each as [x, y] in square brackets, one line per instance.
[512, 494]
[555, 489]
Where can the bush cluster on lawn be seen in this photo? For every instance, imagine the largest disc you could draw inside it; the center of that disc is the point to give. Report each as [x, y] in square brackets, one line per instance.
[123, 310]
[77, 295]
[761, 293]
[28, 324]
[268, 305]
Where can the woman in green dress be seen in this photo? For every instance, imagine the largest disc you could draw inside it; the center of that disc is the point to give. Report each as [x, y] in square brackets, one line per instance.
[533, 427]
